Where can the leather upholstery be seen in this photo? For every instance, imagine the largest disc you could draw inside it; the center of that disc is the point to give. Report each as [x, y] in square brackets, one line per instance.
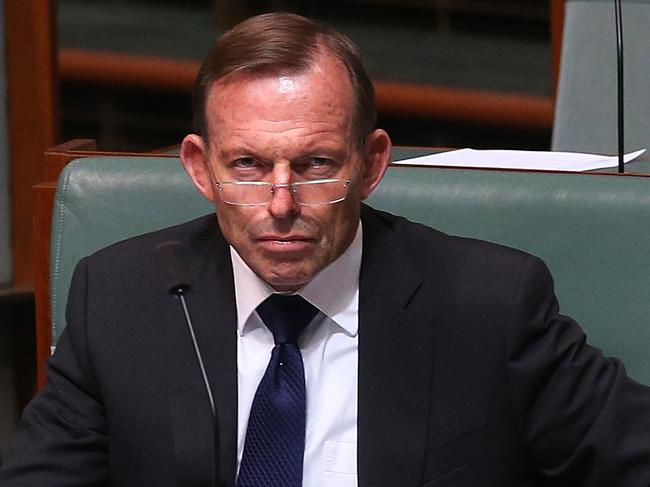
[585, 112]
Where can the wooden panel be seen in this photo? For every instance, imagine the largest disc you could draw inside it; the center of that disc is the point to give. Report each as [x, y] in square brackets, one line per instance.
[446, 103]
[557, 30]
[457, 104]
[42, 223]
[57, 157]
[127, 70]
[33, 114]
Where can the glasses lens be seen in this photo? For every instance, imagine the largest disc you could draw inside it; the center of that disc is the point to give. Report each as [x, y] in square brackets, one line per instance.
[322, 192]
[245, 194]
[259, 193]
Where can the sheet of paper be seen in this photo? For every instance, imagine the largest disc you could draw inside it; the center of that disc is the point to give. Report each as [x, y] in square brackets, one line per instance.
[517, 159]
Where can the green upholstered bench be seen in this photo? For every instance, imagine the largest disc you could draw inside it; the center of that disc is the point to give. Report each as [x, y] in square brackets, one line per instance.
[592, 230]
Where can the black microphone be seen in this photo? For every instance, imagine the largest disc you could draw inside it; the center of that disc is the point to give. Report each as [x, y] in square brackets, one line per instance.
[172, 262]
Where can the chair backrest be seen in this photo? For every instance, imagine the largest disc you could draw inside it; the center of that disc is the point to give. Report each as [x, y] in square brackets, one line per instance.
[101, 200]
[592, 230]
[585, 112]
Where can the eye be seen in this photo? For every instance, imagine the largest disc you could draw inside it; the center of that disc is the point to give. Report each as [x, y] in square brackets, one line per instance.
[245, 163]
[317, 164]
[320, 162]
[317, 167]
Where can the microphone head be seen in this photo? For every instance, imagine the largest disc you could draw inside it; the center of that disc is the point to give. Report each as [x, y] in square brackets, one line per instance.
[172, 263]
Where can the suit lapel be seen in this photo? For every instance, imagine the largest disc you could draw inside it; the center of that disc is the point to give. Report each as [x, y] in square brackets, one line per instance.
[395, 362]
[211, 304]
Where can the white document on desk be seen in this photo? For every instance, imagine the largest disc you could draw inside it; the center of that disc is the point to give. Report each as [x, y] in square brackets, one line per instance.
[520, 159]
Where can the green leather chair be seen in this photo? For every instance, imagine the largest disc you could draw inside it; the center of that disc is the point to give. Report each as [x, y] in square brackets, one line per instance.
[592, 230]
[585, 111]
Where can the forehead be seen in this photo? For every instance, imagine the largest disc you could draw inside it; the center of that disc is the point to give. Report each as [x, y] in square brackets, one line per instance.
[321, 94]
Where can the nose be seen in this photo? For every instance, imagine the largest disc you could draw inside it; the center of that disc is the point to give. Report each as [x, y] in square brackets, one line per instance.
[283, 204]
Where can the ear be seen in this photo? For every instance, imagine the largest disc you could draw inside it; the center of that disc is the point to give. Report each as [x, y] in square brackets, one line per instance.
[194, 157]
[378, 152]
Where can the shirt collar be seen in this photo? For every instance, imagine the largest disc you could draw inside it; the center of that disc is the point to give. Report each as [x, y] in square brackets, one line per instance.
[334, 290]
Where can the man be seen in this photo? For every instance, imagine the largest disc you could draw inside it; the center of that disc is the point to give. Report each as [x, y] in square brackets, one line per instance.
[428, 359]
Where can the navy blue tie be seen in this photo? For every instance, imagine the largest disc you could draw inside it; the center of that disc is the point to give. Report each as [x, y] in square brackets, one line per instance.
[275, 436]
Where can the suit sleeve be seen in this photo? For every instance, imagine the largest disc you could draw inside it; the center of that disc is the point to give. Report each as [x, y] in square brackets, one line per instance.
[62, 436]
[585, 423]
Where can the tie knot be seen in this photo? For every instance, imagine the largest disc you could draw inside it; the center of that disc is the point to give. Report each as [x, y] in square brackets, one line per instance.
[286, 316]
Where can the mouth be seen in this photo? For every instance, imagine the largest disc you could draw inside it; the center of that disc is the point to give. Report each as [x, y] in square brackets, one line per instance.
[285, 244]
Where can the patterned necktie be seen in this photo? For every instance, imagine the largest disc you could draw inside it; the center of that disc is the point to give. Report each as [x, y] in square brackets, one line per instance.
[275, 436]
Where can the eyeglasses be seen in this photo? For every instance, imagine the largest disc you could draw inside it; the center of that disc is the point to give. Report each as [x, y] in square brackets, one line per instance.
[305, 193]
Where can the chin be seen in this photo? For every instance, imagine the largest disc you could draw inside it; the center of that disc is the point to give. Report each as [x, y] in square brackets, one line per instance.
[285, 287]
[288, 282]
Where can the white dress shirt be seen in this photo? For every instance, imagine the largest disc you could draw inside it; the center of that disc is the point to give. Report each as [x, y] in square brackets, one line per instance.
[329, 347]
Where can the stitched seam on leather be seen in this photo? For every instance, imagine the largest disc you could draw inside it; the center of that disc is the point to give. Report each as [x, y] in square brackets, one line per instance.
[57, 261]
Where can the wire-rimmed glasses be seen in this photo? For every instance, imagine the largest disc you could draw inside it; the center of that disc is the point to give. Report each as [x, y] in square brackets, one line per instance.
[305, 193]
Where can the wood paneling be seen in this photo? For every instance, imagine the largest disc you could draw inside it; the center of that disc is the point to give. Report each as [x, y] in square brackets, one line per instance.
[42, 221]
[463, 105]
[33, 114]
[127, 69]
[445, 103]
[557, 30]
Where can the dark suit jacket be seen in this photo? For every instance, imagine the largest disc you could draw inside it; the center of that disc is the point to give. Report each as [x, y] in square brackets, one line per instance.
[467, 373]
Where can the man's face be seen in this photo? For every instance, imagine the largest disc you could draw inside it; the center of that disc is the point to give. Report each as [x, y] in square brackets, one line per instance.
[284, 129]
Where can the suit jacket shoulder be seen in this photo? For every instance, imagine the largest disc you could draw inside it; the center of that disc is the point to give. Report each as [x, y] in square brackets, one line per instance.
[508, 389]
[461, 268]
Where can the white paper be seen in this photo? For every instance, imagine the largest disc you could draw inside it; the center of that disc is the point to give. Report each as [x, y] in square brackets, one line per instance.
[519, 159]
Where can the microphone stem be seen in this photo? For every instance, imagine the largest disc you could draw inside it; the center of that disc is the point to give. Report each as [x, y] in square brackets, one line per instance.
[620, 90]
[215, 424]
[198, 353]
